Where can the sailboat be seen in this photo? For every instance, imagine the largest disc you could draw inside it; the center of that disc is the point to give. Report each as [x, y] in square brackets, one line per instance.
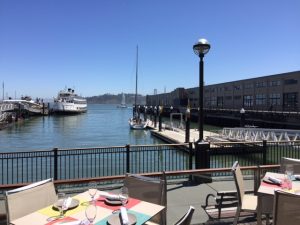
[136, 123]
[123, 102]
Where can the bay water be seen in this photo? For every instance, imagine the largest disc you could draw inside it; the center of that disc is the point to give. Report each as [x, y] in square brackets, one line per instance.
[103, 125]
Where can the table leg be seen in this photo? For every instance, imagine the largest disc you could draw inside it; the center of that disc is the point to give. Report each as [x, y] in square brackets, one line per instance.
[259, 204]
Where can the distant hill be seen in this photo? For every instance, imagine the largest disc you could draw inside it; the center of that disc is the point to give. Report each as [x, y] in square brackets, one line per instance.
[116, 99]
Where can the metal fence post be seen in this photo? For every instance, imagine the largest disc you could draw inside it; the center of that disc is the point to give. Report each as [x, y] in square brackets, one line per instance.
[201, 155]
[187, 129]
[127, 158]
[190, 155]
[264, 152]
[190, 159]
[202, 161]
[55, 151]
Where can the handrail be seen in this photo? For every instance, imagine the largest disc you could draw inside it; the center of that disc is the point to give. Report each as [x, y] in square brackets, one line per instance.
[100, 147]
[167, 173]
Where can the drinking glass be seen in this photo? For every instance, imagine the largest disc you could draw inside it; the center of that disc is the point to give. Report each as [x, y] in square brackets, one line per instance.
[90, 213]
[92, 190]
[61, 204]
[289, 171]
[124, 196]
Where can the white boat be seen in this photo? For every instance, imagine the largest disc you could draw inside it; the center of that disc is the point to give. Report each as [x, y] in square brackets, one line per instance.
[123, 102]
[136, 123]
[67, 102]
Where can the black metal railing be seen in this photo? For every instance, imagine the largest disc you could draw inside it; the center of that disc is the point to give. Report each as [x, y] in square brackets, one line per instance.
[62, 164]
[66, 164]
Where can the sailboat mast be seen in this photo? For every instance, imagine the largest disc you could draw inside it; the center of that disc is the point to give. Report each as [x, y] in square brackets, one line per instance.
[136, 77]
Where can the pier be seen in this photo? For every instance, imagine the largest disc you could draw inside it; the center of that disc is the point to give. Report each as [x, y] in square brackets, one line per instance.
[174, 135]
[12, 110]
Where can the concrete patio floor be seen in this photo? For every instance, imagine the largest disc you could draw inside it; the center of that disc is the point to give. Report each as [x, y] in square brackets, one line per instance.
[181, 196]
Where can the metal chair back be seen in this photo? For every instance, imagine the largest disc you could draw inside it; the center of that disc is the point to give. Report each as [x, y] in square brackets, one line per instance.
[148, 189]
[187, 218]
[290, 161]
[25, 200]
[286, 208]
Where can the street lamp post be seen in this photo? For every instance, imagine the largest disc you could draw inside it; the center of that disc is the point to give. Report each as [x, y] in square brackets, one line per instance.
[242, 122]
[201, 48]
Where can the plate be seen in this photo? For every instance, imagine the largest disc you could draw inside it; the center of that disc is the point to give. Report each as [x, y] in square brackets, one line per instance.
[113, 202]
[296, 176]
[266, 179]
[116, 219]
[74, 204]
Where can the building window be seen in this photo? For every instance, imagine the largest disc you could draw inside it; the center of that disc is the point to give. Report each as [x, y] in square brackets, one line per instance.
[249, 86]
[274, 99]
[227, 89]
[228, 98]
[220, 101]
[237, 87]
[260, 99]
[237, 97]
[274, 83]
[248, 101]
[290, 100]
[261, 84]
[213, 101]
[290, 81]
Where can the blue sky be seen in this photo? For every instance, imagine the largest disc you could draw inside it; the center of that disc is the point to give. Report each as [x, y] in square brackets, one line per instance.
[89, 45]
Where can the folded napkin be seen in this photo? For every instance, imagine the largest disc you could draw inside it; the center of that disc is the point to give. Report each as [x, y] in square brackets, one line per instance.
[77, 222]
[67, 203]
[124, 216]
[275, 180]
[109, 196]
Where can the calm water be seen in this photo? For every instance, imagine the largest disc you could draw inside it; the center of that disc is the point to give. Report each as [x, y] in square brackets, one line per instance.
[102, 125]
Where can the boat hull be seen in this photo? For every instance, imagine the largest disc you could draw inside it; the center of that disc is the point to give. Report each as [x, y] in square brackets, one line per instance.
[141, 125]
[69, 108]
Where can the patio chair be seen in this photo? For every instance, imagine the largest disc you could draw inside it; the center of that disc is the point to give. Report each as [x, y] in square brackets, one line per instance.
[246, 203]
[290, 161]
[149, 189]
[187, 218]
[286, 209]
[25, 200]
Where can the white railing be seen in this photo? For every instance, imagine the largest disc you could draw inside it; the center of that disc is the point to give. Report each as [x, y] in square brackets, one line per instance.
[259, 134]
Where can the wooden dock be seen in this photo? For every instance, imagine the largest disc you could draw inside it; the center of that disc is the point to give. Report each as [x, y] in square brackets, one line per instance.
[175, 135]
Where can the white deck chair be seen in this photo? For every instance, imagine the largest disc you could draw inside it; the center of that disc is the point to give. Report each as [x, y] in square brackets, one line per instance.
[246, 203]
[25, 200]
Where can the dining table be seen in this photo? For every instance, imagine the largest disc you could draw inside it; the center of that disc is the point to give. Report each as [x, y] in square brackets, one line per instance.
[142, 211]
[266, 191]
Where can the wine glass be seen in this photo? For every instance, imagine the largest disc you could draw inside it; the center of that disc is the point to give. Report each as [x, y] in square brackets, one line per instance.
[124, 196]
[90, 213]
[92, 190]
[61, 204]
